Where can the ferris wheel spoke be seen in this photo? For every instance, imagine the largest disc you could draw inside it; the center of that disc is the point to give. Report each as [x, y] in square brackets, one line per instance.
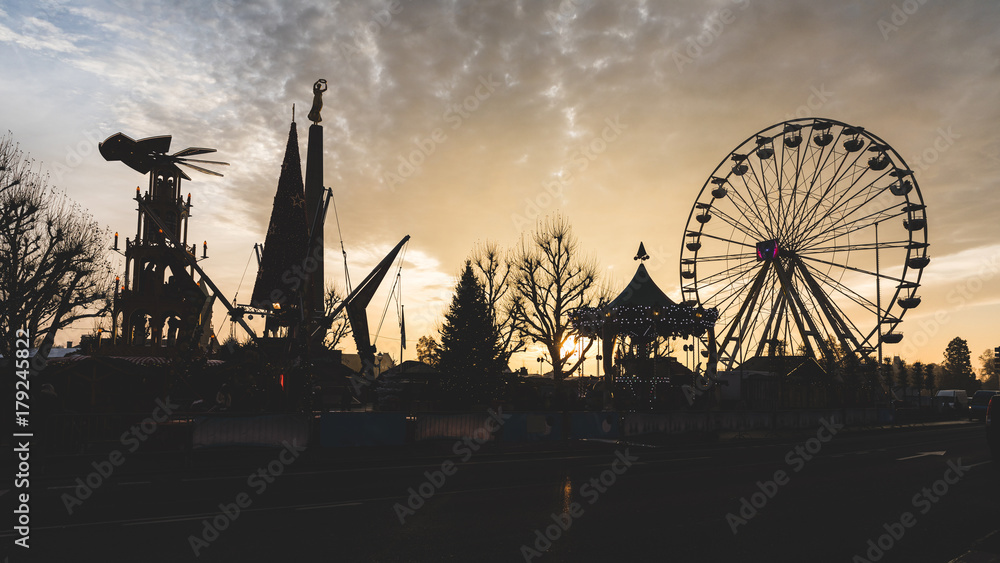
[817, 179]
[870, 220]
[798, 158]
[722, 299]
[768, 224]
[736, 287]
[806, 153]
[779, 161]
[723, 239]
[861, 223]
[839, 193]
[737, 225]
[846, 290]
[872, 338]
[853, 269]
[753, 220]
[860, 172]
[826, 152]
[872, 196]
[726, 291]
[818, 217]
[820, 160]
[844, 199]
[724, 257]
[771, 169]
[757, 218]
[839, 172]
[860, 247]
[757, 193]
[725, 275]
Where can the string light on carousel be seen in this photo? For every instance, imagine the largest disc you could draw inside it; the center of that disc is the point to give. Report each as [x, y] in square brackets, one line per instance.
[633, 328]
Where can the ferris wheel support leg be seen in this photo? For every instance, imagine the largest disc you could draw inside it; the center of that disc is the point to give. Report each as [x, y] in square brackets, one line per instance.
[840, 328]
[711, 368]
[799, 312]
[773, 319]
[754, 291]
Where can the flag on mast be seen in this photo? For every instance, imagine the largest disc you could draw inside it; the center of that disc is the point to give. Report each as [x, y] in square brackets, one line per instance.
[402, 325]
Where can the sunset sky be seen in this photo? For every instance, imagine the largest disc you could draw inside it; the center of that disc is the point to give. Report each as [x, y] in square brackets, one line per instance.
[506, 97]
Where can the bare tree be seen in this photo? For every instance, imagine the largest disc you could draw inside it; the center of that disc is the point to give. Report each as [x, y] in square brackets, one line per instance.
[550, 280]
[53, 257]
[340, 328]
[494, 268]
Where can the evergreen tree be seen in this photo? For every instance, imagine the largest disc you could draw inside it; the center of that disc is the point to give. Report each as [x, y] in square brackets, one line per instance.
[470, 355]
[903, 375]
[495, 270]
[929, 378]
[917, 373]
[958, 366]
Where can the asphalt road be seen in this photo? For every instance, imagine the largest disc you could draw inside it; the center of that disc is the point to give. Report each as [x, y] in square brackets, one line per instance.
[918, 495]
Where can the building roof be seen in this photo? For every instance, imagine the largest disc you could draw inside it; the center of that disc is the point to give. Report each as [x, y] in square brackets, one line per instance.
[410, 368]
[797, 366]
[138, 360]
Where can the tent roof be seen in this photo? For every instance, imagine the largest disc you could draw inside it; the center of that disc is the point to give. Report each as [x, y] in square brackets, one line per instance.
[642, 290]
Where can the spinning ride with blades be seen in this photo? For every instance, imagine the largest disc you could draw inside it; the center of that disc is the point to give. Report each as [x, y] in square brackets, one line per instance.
[160, 290]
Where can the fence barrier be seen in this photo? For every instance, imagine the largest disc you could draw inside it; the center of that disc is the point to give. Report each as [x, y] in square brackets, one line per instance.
[87, 433]
[262, 430]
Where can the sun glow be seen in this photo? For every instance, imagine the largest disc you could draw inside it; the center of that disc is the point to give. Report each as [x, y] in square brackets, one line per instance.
[571, 348]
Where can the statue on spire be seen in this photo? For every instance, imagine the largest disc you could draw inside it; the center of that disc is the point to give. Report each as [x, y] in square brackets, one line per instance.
[641, 255]
[318, 88]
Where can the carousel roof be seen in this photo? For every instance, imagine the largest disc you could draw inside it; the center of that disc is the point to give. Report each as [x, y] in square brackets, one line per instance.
[642, 290]
[642, 307]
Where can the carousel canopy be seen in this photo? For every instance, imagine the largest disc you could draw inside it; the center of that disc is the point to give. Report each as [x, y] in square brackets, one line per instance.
[643, 309]
[642, 290]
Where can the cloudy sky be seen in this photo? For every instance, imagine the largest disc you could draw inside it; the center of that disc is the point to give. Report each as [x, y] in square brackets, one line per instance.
[506, 98]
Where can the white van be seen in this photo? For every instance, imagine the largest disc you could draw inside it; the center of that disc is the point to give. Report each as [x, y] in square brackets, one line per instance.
[953, 400]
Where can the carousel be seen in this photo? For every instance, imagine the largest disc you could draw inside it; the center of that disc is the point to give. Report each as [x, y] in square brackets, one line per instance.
[639, 330]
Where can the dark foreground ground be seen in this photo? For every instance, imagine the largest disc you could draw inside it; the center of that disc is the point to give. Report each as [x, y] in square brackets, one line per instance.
[926, 493]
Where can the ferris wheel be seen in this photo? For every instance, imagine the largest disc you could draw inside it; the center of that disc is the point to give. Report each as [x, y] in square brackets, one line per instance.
[809, 238]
